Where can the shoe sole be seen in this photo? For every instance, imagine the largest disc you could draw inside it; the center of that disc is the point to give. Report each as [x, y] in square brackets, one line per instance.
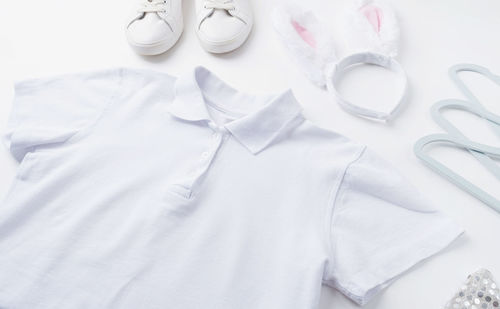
[153, 49]
[227, 46]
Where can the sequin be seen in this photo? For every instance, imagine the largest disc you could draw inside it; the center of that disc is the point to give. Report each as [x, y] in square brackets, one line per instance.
[479, 292]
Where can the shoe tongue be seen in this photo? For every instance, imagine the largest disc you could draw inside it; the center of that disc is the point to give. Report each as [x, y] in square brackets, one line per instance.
[220, 14]
[151, 17]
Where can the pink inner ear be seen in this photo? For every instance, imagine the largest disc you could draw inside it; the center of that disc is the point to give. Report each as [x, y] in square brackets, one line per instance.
[307, 36]
[374, 16]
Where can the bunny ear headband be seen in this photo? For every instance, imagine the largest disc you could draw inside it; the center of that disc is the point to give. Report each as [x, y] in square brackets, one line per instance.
[373, 34]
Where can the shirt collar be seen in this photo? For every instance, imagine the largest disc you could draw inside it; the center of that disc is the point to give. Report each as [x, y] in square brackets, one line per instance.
[255, 130]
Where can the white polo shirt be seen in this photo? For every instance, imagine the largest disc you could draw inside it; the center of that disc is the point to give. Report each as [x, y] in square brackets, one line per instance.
[139, 190]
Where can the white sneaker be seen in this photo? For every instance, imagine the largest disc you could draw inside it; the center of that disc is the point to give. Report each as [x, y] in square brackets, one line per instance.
[223, 25]
[156, 26]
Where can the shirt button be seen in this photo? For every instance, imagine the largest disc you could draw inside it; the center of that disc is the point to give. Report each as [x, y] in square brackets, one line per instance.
[204, 155]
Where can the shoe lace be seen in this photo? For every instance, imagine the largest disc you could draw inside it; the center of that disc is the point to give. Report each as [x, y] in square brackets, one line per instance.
[219, 4]
[153, 6]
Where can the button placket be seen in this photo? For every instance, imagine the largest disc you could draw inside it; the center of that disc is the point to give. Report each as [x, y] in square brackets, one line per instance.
[208, 156]
[206, 159]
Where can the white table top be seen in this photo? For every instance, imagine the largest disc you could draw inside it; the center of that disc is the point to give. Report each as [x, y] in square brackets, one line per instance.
[41, 38]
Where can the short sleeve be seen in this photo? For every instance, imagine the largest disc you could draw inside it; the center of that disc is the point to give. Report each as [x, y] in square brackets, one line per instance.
[380, 227]
[51, 110]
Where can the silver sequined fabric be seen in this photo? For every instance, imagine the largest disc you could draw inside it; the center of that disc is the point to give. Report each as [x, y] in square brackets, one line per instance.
[480, 291]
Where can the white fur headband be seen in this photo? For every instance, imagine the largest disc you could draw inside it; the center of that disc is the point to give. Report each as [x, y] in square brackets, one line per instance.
[373, 34]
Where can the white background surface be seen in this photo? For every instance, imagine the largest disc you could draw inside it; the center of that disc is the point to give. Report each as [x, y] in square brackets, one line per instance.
[40, 38]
